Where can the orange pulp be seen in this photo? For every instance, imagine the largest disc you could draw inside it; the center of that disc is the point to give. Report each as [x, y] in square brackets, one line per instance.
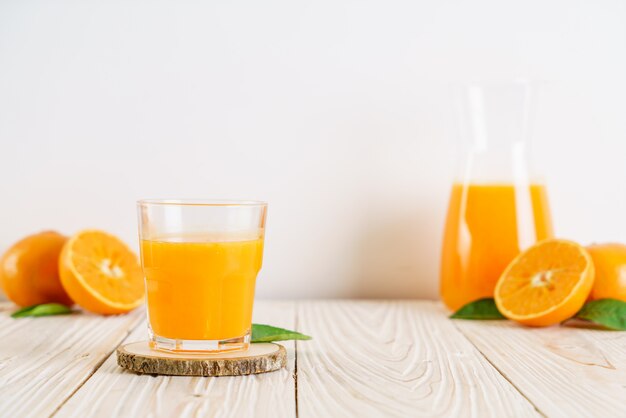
[486, 228]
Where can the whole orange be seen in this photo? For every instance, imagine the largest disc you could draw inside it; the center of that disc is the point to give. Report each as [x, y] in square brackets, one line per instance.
[29, 270]
[610, 263]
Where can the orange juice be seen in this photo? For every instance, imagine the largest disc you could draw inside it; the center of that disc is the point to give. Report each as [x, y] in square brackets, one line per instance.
[486, 227]
[201, 288]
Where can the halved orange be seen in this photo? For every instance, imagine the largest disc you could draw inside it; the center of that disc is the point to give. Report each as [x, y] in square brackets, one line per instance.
[546, 284]
[100, 273]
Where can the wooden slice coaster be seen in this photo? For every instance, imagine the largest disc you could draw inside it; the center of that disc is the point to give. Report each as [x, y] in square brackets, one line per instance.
[259, 358]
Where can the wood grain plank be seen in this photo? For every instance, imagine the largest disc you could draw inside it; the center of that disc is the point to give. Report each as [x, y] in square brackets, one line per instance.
[373, 359]
[113, 392]
[44, 360]
[564, 371]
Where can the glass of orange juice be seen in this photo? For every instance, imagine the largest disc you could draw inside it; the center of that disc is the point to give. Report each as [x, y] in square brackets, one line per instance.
[498, 206]
[200, 259]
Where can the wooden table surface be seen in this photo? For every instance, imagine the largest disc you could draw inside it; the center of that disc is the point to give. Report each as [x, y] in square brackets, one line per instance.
[367, 359]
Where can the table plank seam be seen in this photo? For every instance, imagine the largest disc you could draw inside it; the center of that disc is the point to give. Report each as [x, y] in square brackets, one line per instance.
[95, 369]
[500, 372]
[295, 359]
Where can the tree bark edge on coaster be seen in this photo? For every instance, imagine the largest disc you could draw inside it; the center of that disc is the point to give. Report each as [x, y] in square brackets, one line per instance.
[260, 358]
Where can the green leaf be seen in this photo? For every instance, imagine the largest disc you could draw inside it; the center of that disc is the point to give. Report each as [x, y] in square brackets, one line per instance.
[45, 309]
[265, 333]
[479, 309]
[610, 313]
[20, 313]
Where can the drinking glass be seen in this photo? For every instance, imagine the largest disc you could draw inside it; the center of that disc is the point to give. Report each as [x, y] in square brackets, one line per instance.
[200, 260]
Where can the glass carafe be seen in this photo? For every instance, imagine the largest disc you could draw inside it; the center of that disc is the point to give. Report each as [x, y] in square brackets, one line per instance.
[497, 206]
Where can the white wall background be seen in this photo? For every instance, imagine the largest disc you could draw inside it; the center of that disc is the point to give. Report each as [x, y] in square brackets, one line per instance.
[337, 112]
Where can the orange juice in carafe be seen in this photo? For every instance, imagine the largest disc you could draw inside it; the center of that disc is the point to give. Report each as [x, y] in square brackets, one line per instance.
[497, 208]
[486, 226]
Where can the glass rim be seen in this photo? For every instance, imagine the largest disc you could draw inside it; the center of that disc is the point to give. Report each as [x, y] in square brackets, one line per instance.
[202, 202]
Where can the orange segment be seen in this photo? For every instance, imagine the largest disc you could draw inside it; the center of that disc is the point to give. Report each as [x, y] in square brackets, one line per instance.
[546, 284]
[100, 273]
